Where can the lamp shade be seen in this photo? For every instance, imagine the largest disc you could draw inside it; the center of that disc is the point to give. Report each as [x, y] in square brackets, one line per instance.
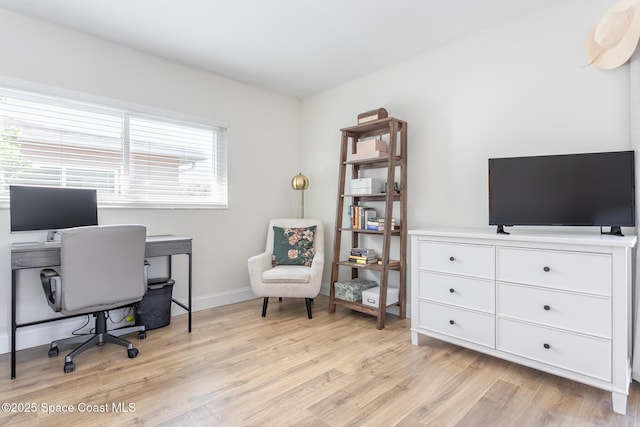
[300, 182]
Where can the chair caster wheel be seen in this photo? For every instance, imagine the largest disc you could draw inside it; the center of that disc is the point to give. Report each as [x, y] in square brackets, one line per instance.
[53, 352]
[69, 367]
[142, 335]
[132, 352]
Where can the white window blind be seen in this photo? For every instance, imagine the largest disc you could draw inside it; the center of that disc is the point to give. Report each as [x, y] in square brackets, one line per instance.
[132, 159]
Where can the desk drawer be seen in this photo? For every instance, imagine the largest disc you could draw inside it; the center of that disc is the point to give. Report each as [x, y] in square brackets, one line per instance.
[477, 294]
[35, 259]
[454, 258]
[580, 272]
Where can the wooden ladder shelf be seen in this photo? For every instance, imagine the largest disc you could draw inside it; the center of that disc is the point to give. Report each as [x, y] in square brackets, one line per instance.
[394, 199]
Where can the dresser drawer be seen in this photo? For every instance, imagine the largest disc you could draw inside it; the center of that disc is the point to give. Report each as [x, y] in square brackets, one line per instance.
[588, 314]
[459, 323]
[581, 272]
[469, 260]
[578, 353]
[477, 294]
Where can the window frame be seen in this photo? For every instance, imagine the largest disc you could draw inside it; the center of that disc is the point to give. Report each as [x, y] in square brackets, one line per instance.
[218, 198]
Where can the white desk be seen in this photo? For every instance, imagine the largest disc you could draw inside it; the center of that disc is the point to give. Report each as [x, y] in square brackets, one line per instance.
[41, 255]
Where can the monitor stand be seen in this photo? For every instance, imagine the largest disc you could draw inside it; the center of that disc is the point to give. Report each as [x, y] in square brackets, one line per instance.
[614, 231]
[500, 230]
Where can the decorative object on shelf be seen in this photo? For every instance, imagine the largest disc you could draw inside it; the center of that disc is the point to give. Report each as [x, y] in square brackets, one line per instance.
[351, 290]
[396, 187]
[369, 149]
[613, 39]
[369, 116]
[300, 182]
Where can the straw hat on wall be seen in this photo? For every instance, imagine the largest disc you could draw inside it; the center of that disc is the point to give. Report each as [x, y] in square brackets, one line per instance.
[613, 39]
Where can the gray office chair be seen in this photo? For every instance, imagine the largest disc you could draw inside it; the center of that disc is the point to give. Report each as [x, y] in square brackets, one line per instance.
[102, 267]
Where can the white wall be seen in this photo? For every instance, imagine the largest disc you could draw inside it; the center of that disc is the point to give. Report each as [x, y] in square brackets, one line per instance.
[521, 88]
[264, 154]
[517, 89]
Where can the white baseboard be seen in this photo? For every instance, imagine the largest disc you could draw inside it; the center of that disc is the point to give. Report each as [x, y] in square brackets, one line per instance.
[222, 298]
[33, 336]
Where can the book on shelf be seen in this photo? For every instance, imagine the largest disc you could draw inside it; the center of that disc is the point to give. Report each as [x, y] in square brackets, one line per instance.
[367, 214]
[359, 216]
[381, 227]
[363, 257]
[377, 224]
[365, 261]
[362, 252]
[353, 213]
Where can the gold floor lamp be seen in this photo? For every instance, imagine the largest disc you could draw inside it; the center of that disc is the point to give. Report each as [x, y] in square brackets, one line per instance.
[300, 182]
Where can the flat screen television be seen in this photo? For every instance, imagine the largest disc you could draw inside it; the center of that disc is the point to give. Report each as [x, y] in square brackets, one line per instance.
[51, 208]
[590, 189]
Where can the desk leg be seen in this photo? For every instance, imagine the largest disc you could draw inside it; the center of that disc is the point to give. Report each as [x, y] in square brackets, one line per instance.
[190, 296]
[13, 324]
[188, 306]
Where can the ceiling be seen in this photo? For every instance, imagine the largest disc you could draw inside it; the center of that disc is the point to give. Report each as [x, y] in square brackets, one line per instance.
[294, 47]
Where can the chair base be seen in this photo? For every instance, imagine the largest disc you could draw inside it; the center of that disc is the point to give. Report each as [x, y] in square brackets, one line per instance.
[100, 337]
[265, 303]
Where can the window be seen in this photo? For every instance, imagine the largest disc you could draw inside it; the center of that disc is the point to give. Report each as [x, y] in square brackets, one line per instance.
[132, 159]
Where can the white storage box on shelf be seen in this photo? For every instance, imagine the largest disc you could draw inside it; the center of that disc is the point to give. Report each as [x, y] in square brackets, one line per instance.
[366, 186]
[371, 296]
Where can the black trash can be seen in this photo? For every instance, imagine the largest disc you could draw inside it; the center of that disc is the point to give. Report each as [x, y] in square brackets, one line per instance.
[154, 310]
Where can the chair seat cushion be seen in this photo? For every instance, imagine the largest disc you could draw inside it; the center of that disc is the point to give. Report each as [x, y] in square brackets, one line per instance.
[287, 274]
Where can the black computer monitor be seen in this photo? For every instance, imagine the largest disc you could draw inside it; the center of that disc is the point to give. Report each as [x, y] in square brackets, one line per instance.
[51, 208]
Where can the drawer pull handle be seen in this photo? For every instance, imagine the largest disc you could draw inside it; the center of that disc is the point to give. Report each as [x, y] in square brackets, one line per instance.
[451, 258]
[451, 322]
[546, 269]
[547, 308]
[451, 290]
[547, 346]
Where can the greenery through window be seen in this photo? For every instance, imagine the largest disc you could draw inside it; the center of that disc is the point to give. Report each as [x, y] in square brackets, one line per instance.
[132, 159]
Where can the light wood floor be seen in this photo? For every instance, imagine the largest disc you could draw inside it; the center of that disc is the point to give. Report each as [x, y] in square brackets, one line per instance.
[239, 369]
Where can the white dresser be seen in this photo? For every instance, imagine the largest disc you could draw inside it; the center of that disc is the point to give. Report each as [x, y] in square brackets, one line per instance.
[556, 302]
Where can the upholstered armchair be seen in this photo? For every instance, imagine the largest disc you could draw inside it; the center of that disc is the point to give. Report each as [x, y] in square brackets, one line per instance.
[292, 263]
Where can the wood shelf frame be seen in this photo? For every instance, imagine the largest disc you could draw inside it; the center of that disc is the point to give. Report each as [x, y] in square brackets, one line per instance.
[395, 204]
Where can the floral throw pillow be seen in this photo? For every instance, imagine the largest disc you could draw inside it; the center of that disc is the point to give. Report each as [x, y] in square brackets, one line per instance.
[293, 246]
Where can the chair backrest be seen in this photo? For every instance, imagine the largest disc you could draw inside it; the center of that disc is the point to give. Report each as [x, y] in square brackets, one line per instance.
[102, 266]
[318, 238]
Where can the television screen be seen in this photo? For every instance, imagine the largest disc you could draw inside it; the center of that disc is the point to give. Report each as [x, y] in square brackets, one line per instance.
[51, 208]
[591, 189]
